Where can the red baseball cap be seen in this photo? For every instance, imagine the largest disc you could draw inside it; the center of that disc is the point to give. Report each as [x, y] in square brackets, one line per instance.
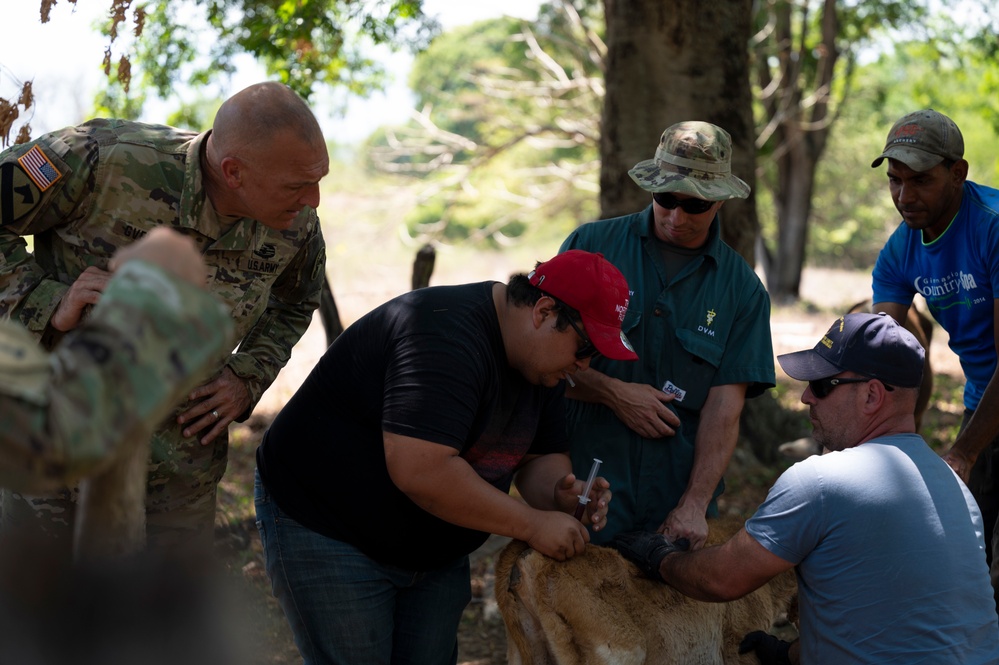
[591, 285]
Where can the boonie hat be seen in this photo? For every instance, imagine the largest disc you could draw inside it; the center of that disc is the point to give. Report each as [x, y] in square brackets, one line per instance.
[872, 345]
[590, 284]
[921, 140]
[693, 158]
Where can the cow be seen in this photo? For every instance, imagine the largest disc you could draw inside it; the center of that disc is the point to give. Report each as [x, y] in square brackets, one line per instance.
[598, 608]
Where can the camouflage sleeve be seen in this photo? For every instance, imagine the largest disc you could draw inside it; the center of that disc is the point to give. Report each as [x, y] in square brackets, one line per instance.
[266, 348]
[149, 340]
[43, 184]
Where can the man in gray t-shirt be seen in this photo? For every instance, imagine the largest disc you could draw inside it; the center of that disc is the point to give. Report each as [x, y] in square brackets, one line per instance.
[885, 539]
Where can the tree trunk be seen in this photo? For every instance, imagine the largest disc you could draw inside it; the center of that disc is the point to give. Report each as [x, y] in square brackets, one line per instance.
[668, 62]
[800, 123]
[423, 266]
[329, 314]
[794, 207]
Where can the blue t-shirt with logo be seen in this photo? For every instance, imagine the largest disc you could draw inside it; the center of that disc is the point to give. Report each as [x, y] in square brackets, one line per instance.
[958, 275]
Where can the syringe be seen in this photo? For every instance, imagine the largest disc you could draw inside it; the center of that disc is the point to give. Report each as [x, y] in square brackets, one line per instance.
[584, 498]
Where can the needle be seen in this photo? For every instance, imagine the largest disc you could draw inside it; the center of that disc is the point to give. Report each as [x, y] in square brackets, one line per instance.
[584, 498]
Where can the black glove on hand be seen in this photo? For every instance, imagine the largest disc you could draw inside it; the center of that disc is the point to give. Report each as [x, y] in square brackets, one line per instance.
[769, 650]
[647, 550]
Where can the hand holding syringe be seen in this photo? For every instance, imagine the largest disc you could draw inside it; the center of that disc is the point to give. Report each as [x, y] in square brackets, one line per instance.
[584, 498]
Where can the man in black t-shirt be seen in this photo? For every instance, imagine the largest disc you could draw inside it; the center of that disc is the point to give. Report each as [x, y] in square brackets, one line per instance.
[394, 459]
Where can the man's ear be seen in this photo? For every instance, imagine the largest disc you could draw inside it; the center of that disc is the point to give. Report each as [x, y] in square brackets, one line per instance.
[960, 170]
[232, 172]
[542, 310]
[876, 394]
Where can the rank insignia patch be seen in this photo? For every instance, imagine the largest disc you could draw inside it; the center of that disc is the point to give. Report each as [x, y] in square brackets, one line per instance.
[38, 167]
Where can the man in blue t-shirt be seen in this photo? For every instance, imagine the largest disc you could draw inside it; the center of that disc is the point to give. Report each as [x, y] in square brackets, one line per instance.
[884, 538]
[947, 250]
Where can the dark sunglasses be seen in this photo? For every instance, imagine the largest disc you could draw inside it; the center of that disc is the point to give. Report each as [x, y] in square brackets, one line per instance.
[587, 350]
[822, 387]
[689, 206]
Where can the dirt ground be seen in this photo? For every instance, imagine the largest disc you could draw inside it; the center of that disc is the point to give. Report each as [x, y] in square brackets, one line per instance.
[482, 639]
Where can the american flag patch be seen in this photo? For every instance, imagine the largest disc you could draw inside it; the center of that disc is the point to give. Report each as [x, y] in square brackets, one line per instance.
[39, 168]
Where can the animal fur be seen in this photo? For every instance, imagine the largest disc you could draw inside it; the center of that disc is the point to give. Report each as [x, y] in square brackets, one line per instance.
[597, 608]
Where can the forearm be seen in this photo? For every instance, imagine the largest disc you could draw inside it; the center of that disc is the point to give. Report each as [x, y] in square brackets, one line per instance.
[724, 572]
[267, 347]
[112, 380]
[714, 444]
[537, 479]
[983, 427]
[294, 298]
[28, 295]
[593, 386]
[698, 575]
[453, 492]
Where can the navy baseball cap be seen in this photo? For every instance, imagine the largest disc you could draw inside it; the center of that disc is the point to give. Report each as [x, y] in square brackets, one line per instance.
[872, 345]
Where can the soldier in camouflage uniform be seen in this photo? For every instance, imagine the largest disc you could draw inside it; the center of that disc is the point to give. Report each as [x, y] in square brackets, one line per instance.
[665, 428]
[152, 338]
[246, 193]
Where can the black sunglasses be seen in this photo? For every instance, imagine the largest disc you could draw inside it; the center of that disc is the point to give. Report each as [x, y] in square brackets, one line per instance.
[822, 387]
[587, 350]
[689, 206]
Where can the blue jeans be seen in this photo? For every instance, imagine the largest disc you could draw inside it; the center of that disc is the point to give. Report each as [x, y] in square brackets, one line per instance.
[346, 609]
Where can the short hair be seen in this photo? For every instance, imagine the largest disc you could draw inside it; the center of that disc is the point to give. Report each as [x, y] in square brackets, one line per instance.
[261, 111]
[520, 292]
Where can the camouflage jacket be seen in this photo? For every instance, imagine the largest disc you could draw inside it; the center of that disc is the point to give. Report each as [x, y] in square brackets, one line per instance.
[151, 338]
[85, 191]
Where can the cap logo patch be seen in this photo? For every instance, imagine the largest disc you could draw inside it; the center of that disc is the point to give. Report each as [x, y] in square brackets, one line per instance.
[907, 131]
[621, 311]
[38, 167]
[826, 342]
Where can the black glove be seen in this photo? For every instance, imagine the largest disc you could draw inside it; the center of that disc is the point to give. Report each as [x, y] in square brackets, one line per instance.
[769, 650]
[647, 550]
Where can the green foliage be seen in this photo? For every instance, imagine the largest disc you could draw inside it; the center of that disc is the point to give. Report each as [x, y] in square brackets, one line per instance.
[852, 212]
[303, 43]
[443, 75]
[910, 57]
[114, 102]
[511, 129]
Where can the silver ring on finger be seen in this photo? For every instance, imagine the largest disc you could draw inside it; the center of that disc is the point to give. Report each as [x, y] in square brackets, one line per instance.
[215, 413]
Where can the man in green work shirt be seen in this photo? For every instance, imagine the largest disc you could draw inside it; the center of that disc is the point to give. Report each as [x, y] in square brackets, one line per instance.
[699, 319]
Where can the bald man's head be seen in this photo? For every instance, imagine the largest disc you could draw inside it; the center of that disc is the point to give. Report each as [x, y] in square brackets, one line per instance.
[252, 117]
[265, 156]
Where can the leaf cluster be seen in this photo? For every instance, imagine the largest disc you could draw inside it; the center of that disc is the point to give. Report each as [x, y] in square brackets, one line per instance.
[507, 133]
[303, 43]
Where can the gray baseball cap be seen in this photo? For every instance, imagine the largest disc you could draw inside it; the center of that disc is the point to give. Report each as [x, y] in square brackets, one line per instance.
[693, 158]
[921, 140]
